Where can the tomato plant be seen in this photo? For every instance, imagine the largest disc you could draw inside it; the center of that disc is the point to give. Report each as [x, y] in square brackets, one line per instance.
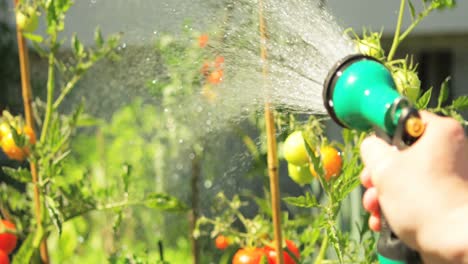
[8, 239]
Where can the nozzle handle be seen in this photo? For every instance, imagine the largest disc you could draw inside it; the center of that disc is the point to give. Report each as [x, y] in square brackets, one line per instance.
[391, 250]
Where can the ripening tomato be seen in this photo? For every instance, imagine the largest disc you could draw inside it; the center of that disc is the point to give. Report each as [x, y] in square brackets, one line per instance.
[27, 20]
[287, 258]
[9, 145]
[248, 256]
[219, 60]
[4, 258]
[331, 162]
[222, 242]
[202, 40]
[8, 240]
[216, 76]
[300, 174]
[294, 149]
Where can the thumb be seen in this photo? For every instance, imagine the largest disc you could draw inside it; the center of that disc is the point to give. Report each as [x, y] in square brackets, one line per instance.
[375, 154]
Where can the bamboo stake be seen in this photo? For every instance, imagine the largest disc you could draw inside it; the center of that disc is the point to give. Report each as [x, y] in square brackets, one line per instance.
[271, 144]
[27, 99]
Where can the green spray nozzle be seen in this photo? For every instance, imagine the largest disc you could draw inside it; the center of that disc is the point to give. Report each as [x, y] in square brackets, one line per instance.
[360, 93]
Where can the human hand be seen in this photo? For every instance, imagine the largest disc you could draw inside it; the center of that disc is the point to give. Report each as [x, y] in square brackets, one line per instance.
[422, 190]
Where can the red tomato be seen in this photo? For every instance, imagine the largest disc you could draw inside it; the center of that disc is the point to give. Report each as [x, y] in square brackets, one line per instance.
[248, 256]
[8, 240]
[4, 258]
[288, 259]
[222, 242]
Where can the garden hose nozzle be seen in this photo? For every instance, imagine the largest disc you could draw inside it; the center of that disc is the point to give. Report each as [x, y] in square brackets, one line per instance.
[359, 93]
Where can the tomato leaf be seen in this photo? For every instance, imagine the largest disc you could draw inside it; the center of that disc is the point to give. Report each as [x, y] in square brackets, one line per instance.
[460, 103]
[444, 92]
[21, 174]
[306, 201]
[164, 202]
[423, 101]
[33, 37]
[26, 251]
[54, 213]
[413, 11]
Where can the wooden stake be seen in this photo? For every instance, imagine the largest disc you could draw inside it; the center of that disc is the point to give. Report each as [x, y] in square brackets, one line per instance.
[27, 100]
[271, 144]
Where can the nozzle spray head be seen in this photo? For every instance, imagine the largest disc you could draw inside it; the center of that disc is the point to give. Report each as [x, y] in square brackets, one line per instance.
[359, 93]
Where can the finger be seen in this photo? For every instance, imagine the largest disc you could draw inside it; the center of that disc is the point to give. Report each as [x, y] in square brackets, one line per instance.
[366, 179]
[375, 223]
[370, 201]
[373, 150]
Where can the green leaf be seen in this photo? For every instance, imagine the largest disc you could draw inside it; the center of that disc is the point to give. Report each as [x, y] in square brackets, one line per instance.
[306, 201]
[77, 46]
[460, 103]
[413, 11]
[20, 174]
[54, 213]
[424, 100]
[98, 39]
[444, 92]
[33, 37]
[26, 251]
[165, 202]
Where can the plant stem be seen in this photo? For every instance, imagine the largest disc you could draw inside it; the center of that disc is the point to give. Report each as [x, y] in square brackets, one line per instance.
[195, 209]
[66, 90]
[272, 158]
[27, 99]
[323, 249]
[396, 37]
[50, 96]
[421, 16]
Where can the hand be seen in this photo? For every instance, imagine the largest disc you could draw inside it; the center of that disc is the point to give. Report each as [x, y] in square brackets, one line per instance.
[422, 190]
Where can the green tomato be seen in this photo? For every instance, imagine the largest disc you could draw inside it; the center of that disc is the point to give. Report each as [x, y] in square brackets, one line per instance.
[370, 46]
[300, 174]
[407, 83]
[27, 20]
[294, 149]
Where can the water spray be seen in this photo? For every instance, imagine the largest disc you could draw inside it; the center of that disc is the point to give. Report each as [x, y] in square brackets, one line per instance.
[359, 93]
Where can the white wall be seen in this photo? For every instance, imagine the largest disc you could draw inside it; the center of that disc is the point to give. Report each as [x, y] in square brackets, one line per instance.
[383, 13]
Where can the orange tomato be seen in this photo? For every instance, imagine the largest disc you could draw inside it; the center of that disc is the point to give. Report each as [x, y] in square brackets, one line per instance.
[331, 162]
[9, 145]
[219, 60]
[202, 40]
[216, 77]
[222, 242]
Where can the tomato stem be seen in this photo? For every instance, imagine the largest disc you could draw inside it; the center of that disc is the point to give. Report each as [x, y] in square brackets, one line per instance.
[396, 37]
[323, 249]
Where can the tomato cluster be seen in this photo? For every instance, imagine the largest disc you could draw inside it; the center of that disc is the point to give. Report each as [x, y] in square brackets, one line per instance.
[8, 240]
[267, 253]
[8, 144]
[300, 169]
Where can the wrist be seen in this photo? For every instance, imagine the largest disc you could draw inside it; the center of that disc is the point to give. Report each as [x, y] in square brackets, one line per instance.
[445, 238]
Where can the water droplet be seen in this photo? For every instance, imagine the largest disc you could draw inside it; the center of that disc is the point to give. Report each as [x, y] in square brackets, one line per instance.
[208, 184]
